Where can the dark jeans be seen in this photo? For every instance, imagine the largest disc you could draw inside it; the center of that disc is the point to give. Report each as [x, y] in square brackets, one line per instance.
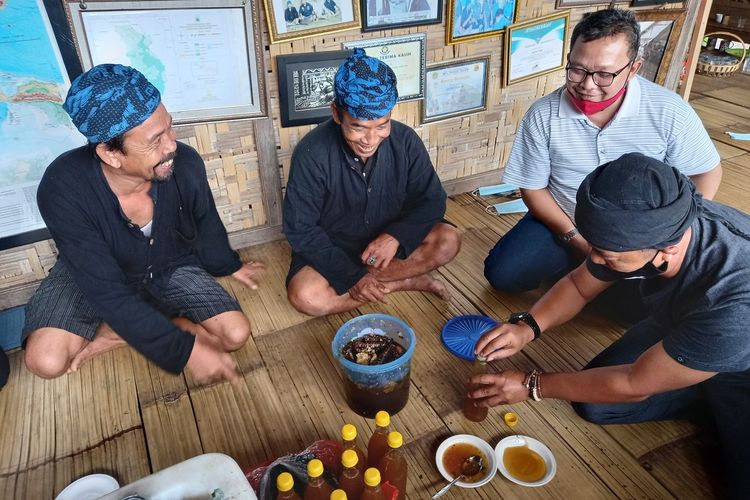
[720, 404]
[4, 368]
[530, 254]
[526, 256]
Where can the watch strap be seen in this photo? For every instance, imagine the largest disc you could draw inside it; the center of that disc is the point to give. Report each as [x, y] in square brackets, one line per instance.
[527, 319]
[566, 237]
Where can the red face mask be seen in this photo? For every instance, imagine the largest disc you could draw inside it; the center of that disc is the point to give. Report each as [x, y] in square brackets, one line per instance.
[589, 108]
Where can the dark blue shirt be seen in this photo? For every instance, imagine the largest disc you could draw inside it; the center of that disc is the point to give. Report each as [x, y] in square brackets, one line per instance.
[332, 211]
[111, 260]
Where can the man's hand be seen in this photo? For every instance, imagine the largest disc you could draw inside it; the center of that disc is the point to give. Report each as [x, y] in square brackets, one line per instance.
[369, 289]
[581, 245]
[380, 252]
[247, 272]
[504, 340]
[208, 363]
[499, 388]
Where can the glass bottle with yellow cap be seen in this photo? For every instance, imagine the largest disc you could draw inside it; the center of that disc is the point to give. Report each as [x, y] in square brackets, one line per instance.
[285, 485]
[378, 444]
[393, 467]
[372, 486]
[351, 479]
[471, 411]
[348, 440]
[317, 487]
[338, 495]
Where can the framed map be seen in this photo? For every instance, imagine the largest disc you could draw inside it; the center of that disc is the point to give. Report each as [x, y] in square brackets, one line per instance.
[34, 129]
[202, 55]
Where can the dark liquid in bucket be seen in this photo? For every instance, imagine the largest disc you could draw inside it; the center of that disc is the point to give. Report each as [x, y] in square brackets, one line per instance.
[367, 401]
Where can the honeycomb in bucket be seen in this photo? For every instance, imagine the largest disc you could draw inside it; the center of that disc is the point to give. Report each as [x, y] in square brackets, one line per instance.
[372, 349]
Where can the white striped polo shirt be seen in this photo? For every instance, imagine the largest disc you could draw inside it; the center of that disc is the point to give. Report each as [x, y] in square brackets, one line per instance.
[557, 146]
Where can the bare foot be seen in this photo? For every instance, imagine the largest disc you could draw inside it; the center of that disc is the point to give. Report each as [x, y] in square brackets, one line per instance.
[427, 283]
[106, 339]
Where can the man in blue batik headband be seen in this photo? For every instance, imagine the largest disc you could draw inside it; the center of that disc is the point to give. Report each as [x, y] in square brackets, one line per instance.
[127, 264]
[364, 208]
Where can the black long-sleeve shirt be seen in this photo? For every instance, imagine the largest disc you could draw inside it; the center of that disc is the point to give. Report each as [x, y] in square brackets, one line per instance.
[332, 212]
[115, 264]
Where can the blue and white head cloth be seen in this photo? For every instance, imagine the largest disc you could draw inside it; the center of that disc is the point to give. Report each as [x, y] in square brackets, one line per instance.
[365, 87]
[110, 99]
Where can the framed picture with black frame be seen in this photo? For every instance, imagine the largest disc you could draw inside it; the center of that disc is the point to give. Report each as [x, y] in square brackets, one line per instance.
[380, 15]
[455, 88]
[35, 128]
[306, 85]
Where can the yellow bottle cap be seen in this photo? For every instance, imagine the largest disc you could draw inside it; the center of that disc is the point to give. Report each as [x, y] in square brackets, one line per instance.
[338, 495]
[284, 481]
[349, 432]
[382, 419]
[349, 458]
[395, 439]
[372, 477]
[511, 419]
[314, 468]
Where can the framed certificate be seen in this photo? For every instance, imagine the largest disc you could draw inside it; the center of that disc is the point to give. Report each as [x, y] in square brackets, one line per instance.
[455, 88]
[380, 15]
[306, 86]
[535, 47]
[203, 56]
[406, 57]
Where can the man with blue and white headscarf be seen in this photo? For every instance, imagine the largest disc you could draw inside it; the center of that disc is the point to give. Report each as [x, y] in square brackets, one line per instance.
[364, 207]
[138, 237]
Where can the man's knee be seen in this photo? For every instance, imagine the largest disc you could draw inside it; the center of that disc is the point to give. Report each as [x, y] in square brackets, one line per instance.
[306, 300]
[444, 244]
[506, 278]
[613, 413]
[235, 330]
[44, 362]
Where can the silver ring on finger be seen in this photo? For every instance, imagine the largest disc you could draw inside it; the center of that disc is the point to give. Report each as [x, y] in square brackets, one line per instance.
[372, 260]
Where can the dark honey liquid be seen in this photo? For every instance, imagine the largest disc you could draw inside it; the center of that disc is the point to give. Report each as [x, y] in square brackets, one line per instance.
[524, 464]
[454, 457]
[367, 401]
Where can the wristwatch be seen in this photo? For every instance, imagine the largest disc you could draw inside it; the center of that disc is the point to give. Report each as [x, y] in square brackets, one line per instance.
[565, 238]
[527, 319]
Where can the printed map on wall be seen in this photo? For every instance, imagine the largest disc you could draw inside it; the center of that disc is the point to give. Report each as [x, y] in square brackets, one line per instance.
[34, 128]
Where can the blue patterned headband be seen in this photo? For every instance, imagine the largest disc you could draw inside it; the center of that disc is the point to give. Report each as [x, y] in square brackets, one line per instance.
[365, 87]
[110, 99]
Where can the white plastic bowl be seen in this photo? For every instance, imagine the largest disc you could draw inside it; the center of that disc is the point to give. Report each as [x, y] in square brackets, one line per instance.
[490, 466]
[534, 445]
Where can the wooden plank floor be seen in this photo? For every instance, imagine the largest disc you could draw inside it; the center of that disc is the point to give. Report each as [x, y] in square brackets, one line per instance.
[122, 416]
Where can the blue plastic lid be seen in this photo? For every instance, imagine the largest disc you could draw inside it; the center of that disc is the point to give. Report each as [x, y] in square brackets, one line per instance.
[461, 333]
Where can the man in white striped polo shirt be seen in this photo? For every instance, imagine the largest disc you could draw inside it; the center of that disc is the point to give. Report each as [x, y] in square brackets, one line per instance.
[603, 111]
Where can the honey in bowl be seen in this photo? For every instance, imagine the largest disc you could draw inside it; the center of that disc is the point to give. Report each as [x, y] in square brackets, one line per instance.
[524, 464]
[454, 457]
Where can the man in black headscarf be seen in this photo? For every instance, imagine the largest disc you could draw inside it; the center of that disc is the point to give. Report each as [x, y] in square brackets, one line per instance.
[691, 357]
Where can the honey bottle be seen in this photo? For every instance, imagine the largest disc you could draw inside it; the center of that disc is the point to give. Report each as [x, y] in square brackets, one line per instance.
[372, 485]
[351, 479]
[378, 444]
[348, 439]
[317, 487]
[338, 495]
[285, 485]
[471, 411]
[393, 467]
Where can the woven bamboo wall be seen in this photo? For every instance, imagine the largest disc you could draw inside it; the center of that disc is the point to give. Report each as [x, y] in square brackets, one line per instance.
[459, 147]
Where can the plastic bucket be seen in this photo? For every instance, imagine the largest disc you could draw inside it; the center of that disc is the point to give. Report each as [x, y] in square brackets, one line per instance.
[371, 388]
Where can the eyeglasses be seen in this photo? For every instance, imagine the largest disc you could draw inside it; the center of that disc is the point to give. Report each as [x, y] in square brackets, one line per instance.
[601, 78]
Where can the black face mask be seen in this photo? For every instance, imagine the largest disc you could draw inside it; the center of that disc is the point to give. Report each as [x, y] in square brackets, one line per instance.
[604, 273]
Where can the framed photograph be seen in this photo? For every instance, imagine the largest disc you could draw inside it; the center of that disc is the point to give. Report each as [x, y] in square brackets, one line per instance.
[38, 63]
[203, 56]
[570, 4]
[475, 19]
[660, 30]
[406, 57]
[536, 47]
[306, 87]
[294, 19]
[388, 14]
[455, 88]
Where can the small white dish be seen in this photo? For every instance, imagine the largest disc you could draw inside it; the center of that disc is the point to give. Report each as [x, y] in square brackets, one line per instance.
[89, 487]
[534, 445]
[490, 464]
